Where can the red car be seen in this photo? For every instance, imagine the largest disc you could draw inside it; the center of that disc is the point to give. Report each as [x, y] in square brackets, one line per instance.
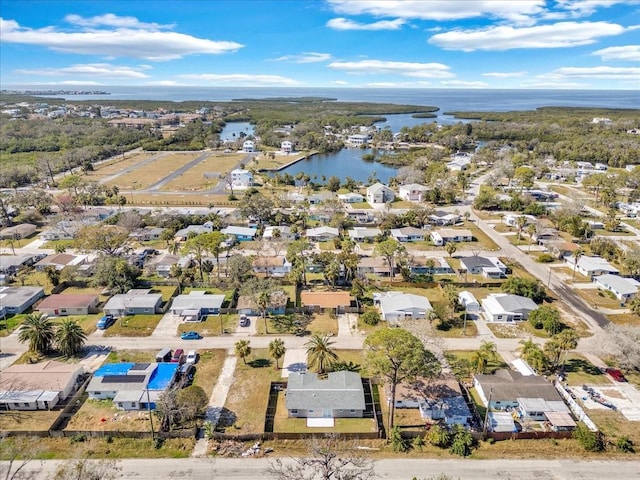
[615, 374]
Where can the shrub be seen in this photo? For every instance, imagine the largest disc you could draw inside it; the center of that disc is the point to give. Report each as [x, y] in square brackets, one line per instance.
[590, 441]
[158, 443]
[438, 437]
[371, 317]
[462, 442]
[398, 444]
[624, 445]
[79, 438]
[545, 258]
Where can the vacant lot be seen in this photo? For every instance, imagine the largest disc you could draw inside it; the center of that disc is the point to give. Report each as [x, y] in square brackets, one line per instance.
[194, 180]
[133, 326]
[113, 167]
[579, 371]
[208, 368]
[212, 325]
[598, 298]
[27, 421]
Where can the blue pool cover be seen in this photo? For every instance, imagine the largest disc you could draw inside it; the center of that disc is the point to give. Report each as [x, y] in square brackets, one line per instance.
[162, 376]
[113, 369]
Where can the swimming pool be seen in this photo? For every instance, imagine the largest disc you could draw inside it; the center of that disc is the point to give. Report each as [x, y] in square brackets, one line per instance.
[162, 376]
[114, 369]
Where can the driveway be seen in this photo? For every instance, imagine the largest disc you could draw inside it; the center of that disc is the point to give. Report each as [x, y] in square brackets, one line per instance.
[295, 360]
[167, 326]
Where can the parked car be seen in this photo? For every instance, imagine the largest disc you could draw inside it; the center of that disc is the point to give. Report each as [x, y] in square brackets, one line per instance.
[105, 322]
[186, 373]
[616, 374]
[244, 321]
[178, 356]
[192, 357]
[191, 336]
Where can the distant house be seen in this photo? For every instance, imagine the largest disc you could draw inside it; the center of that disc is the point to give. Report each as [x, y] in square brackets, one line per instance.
[242, 234]
[379, 193]
[442, 218]
[364, 234]
[460, 161]
[184, 234]
[358, 140]
[489, 267]
[38, 386]
[241, 178]
[374, 266]
[430, 266]
[407, 234]
[513, 219]
[63, 230]
[339, 395]
[397, 306]
[275, 232]
[274, 266]
[17, 232]
[59, 305]
[468, 302]
[322, 234]
[446, 235]
[507, 308]
[59, 261]
[351, 197]
[134, 302]
[248, 146]
[163, 263]
[286, 147]
[19, 299]
[412, 192]
[322, 301]
[319, 198]
[147, 234]
[592, 266]
[196, 305]
[624, 289]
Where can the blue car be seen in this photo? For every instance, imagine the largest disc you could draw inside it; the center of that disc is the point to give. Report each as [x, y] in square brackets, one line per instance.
[190, 336]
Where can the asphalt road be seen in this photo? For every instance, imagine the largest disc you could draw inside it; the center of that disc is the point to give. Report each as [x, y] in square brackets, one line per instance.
[390, 469]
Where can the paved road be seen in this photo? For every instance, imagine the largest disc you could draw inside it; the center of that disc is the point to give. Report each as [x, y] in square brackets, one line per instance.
[176, 173]
[389, 469]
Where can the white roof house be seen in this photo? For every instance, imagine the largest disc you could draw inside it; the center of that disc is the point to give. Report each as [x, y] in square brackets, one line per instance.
[286, 146]
[206, 304]
[241, 178]
[396, 306]
[623, 288]
[407, 234]
[592, 266]
[351, 197]
[503, 307]
[413, 192]
[361, 234]
[278, 231]
[468, 301]
[248, 146]
[322, 234]
[379, 193]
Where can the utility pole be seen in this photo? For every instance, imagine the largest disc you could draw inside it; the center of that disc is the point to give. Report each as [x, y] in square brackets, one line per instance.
[153, 433]
[486, 414]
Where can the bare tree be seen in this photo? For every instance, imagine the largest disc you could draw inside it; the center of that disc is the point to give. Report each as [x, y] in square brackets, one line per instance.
[17, 453]
[83, 468]
[328, 459]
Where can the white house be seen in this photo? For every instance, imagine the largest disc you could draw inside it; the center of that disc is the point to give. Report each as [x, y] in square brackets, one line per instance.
[507, 308]
[358, 140]
[489, 267]
[363, 234]
[623, 288]
[351, 197]
[248, 146]
[276, 266]
[413, 192]
[512, 219]
[322, 234]
[379, 193]
[442, 218]
[468, 301]
[196, 305]
[272, 232]
[407, 234]
[591, 266]
[286, 147]
[396, 306]
[446, 235]
[460, 161]
[241, 178]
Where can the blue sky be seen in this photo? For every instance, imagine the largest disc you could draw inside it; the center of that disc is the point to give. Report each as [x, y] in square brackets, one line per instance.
[590, 44]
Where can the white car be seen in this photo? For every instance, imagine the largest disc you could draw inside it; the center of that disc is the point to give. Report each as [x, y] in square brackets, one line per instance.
[192, 357]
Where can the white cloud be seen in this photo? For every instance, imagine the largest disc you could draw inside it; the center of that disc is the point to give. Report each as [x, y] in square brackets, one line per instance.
[143, 43]
[166, 83]
[520, 12]
[552, 85]
[463, 83]
[306, 57]
[241, 79]
[563, 34]
[629, 53]
[105, 70]
[406, 69]
[80, 83]
[397, 84]
[346, 24]
[582, 8]
[504, 74]
[340, 82]
[601, 72]
[111, 20]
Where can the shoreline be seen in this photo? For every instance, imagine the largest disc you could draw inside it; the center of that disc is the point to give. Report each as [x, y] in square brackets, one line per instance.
[292, 162]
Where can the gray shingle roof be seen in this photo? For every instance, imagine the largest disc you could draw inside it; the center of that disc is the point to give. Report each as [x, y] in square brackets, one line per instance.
[340, 390]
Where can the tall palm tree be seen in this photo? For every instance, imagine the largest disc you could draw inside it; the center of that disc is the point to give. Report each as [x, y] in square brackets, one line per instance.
[243, 349]
[567, 340]
[38, 331]
[489, 349]
[277, 350]
[521, 222]
[576, 257]
[319, 352]
[478, 362]
[263, 301]
[70, 338]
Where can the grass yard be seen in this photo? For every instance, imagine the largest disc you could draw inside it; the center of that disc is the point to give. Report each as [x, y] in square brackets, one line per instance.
[212, 325]
[614, 425]
[167, 291]
[18, 243]
[282, 422]
[361, 206]
[8, 325]
[87, 322]
[38, 279]
[133, 326]
[322, 323]
[101, 415]
[208, 369]
[106, 169]
[146, 175]
[598, 298]
[353, 356]
[141, 356]
[194, 179]
[568, 273]
[504, 330]
[625, 319]
[461, 357]
[38, 420]
[580, 371]
[249, 394]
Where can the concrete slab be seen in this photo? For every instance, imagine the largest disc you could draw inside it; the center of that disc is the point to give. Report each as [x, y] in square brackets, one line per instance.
[320, 422]
[295, 360]
[167, 326]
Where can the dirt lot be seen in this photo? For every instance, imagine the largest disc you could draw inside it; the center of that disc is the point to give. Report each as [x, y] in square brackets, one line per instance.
[193, 180]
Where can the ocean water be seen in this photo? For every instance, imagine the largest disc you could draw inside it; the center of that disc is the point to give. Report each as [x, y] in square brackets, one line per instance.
[445, 99]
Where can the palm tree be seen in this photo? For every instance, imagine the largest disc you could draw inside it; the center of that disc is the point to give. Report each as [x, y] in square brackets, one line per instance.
[567, 340]
[521, 222]
[450, 248]
[277, 350]
[531, 230]
[243, 349]
[38, 331]
[478, 362]
[576, 257]
[319, 352]
[489, 349]
[263, 301]
[70, 338]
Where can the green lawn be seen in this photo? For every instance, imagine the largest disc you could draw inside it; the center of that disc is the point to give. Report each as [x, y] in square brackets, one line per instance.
[212, 325]
[598, 298]
[87, 322]
[580, 372]
[8, 325]
[133, 326]
[208, 368]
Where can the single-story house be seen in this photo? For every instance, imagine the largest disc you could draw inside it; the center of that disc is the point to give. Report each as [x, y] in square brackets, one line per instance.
[319, 198]
[364, 234]
[132, 386]
[507, 386]
[446, 235]
[134, 302]
[489, 267]
[10, 264]
[37, 386]
[185, 233]
[147, 234]
[512, 219]
[17, 232]
[536, 408]
[242, 234]
[559, 248]
[442, 218]
[322, 234]
[623, 288]
[504, 307]
[459, 161]
[60, 260]
[468, 301]
[407, 234]
[63, 230]
[379, 193]
[413, 192]
[374, 266]
[278, 304]
[272, 266]
[339, 395]
[19, 299]
[430, 266]
[592, 266]
[199, 301]
[351, 197]
[361, 216]
[325, 300]
[59, 305]
[275, 232]
[395, 306]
